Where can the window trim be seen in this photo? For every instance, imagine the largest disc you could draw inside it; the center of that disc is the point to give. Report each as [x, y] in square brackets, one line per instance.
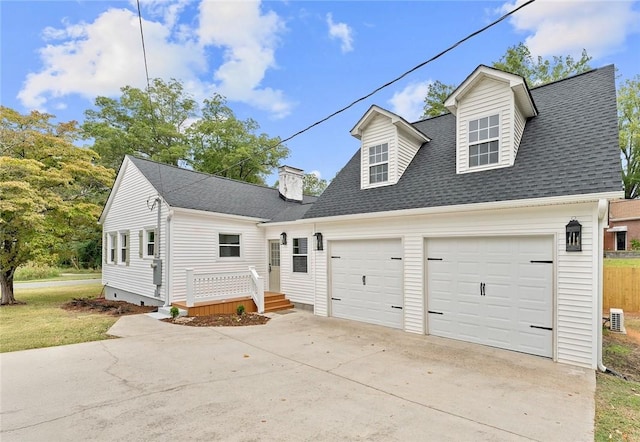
[124, 239]
[146, 242]
[230, 245]
[479, 141]
[381, 163]
[298, 255]
[112, 245]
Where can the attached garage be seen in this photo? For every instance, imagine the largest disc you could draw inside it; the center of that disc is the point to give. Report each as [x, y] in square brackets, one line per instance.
[496, 291]
[366, 281]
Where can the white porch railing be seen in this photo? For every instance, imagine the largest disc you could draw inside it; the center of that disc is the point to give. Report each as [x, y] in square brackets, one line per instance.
[202, 287]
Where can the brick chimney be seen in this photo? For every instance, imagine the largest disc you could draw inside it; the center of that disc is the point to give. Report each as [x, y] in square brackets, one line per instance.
[290, 183]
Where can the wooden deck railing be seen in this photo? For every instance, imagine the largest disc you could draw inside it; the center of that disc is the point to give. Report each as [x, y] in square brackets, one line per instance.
[203, 287]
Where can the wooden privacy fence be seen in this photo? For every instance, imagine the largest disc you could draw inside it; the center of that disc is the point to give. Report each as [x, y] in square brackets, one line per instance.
[622, 288]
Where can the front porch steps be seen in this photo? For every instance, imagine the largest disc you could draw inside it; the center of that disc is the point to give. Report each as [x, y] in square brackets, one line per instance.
[274, 302]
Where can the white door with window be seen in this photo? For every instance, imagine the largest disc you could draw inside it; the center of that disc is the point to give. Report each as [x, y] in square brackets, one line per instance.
[366, 281]
[274, 266]
[495, 291]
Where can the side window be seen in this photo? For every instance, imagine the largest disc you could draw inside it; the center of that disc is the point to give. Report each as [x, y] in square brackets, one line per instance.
[300, 255]
[112, 244]
[124, 248]
[229, 245]
[150, 242]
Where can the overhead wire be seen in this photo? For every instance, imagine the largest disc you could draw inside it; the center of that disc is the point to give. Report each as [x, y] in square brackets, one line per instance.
[376, 90]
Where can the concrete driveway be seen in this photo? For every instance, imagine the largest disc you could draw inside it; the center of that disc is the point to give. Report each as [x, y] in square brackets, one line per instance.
[299, 377]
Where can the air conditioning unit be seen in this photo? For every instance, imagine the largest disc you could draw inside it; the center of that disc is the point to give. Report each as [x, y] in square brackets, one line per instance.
[616, 316]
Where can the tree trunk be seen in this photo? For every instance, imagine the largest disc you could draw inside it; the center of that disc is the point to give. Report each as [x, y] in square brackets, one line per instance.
[6, 287]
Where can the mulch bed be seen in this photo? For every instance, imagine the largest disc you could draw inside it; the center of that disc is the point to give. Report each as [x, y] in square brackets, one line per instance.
[101, 305]
[227, 320]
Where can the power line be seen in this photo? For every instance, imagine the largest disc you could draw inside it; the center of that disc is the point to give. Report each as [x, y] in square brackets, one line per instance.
[144, 49]
[378, 89]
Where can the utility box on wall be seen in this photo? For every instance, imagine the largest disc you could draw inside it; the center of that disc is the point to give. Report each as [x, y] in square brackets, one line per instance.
[157, 271]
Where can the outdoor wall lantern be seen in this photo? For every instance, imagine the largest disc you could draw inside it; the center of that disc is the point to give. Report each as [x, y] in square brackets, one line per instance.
[283, 238]
[574, 236]
[318, 236]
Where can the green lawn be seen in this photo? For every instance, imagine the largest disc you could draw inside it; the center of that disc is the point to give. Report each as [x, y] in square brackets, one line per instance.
[42, 323]
[622, 262]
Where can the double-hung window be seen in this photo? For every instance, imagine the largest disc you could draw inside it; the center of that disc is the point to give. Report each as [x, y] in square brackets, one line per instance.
[124, 248]
[112, 242]
[300, 255]
[229, 245]
[150, 242]
[483, 141]
[379, 163]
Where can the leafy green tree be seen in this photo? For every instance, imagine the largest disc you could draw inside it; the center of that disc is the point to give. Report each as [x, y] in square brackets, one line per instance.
[223, 145]
[49, 190]
[149, 125]
[167, 125]
[629, 130]
[517, 60]
[312, 185]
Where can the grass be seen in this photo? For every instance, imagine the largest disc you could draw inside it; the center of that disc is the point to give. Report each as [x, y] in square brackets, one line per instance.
[42, 323]
[95, 274]
[618, 400]
[622, 262]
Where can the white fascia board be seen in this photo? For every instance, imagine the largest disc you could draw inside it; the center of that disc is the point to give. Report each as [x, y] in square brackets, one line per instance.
[460, 208]
[396, 120]
[219, 215]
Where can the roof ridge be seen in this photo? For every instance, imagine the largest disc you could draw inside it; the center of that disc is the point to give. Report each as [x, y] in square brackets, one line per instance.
[573, 76]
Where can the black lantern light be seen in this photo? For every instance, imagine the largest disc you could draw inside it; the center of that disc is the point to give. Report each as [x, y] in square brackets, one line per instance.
[283, 238]
[574, 236]
[318, 236]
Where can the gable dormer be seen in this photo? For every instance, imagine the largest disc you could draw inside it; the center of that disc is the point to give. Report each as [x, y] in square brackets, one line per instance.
[388, 144]
[491, 109]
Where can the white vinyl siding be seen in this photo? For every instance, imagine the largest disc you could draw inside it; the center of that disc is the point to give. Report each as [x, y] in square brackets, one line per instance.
[195, 244]
[488, 97]
[575, 318]
[129, 212]
[519, 122]
[407, 149]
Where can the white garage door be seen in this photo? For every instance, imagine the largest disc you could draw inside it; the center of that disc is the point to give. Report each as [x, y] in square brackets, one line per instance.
[366, 281]
[493, 291]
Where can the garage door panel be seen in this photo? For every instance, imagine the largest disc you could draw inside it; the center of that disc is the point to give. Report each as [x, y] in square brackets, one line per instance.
[373, 298]
[517, 292]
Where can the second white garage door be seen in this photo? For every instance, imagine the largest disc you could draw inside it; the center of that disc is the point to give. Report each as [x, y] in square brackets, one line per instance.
[494, 291]
[366, 281]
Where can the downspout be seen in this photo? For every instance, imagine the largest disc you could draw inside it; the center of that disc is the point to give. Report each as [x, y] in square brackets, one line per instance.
[167, 269]
[603, 206]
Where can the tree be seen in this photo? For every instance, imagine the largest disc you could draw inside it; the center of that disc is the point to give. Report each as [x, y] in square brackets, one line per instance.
[223, 145]
[436, 96]
[312, 184]
[167, 125]
[629, 130]
[517, 60]
[49, 190]
[150, 125]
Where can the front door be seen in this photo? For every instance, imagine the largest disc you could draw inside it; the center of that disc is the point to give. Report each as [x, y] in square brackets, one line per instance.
[274, 266]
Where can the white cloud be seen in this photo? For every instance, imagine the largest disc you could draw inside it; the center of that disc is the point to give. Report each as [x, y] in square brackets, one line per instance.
[342, 32]
[568, 27]
[316, 173]
[249, 39]
[99, 57]
[409, 102]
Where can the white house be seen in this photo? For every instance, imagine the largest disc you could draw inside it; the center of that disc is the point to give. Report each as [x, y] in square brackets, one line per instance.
[484, 224]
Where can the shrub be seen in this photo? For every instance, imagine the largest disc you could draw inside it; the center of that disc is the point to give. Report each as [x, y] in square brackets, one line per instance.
[635, 244]
[240, 310]
[175, 312]
[35, 271]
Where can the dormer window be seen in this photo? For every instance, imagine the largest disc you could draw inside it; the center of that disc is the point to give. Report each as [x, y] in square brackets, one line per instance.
[379, 163]
[483, 141]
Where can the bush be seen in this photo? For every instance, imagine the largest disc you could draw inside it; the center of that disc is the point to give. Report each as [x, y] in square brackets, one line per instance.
[35, 271]
[240, 310]
[175, 312]
[635, 244]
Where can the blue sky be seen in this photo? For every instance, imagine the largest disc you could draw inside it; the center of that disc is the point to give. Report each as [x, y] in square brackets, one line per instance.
[287, 64]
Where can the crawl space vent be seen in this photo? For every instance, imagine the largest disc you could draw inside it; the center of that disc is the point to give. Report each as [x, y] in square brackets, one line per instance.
[617, 320]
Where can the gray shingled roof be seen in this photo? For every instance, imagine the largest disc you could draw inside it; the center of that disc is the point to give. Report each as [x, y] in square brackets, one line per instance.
[570, 148]
[194, 190]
